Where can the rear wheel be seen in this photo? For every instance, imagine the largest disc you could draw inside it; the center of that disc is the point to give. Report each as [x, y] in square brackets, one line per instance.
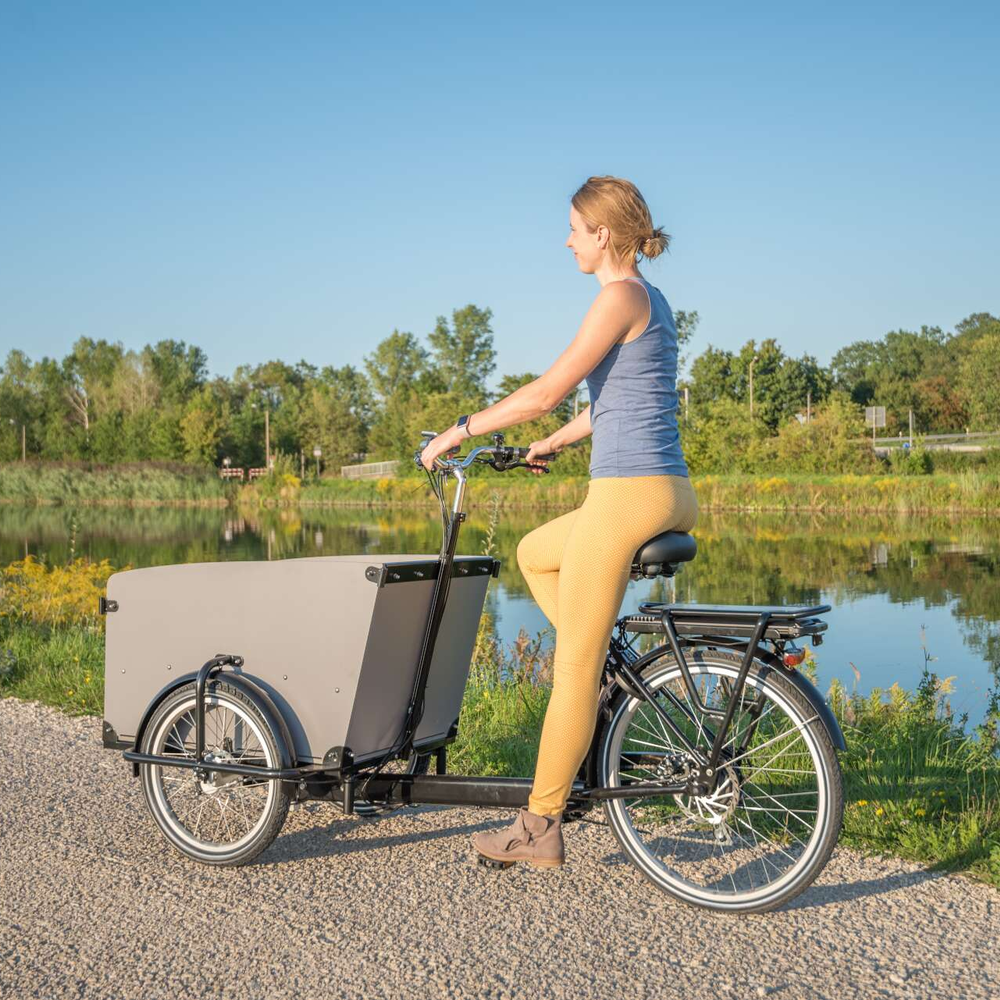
[226, 819]
[767, 829]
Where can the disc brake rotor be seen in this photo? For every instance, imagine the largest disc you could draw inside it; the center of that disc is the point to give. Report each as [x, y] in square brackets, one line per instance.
[716, 808]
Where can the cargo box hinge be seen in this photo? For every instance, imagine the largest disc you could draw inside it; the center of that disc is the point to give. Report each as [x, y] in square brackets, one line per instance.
[104, 606]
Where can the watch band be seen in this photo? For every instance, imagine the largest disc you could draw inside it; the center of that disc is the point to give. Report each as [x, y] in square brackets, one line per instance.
[463, 422]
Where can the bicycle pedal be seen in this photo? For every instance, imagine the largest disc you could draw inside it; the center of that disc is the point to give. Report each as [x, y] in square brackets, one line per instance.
[493, 863]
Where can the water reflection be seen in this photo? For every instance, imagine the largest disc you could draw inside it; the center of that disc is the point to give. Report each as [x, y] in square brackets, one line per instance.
[885, 578]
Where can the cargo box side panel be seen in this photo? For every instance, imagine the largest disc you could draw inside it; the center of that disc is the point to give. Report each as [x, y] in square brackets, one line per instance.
[452, 658]
[300, 624]
[389, 669]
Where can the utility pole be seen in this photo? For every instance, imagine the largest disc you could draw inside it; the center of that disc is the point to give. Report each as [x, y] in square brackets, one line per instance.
[267, 438]
[911, 429]
[687, 402]
[302, 464]
[752, 363]
[809, 398]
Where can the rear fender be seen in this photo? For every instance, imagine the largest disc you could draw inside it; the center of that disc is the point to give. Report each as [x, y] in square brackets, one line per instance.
[808, 691]
[260, 698]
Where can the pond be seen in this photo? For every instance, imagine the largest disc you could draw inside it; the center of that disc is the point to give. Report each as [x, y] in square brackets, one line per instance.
[901, 590]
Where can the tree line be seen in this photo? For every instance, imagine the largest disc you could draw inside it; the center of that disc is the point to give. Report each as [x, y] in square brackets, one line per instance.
[107, 404]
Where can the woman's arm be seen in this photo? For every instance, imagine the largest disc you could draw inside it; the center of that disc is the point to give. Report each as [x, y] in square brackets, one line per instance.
[618, 307]
[578, 427]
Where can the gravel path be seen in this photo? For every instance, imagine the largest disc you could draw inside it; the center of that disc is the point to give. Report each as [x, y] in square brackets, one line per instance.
[94, 903]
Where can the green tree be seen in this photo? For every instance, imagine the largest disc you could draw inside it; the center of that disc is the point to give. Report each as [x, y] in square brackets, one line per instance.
[686, 324]
[720, 438]
[463, 352]
[980, 382]
[352, 386]
[833, 441]
[329, 421]
[201, 428]
[180, 370]
[712, 376]
[394, 365]
[18, 403]
[88, 371]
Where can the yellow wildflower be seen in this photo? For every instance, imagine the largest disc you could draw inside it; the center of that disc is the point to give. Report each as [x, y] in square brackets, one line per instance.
[879, 811]
[920, 812]
[862, 802]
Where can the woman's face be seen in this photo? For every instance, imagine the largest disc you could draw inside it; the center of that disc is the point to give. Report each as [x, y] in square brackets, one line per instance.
[586, 245]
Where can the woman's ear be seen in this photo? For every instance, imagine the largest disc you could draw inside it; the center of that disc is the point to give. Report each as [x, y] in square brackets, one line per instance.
[603, 234]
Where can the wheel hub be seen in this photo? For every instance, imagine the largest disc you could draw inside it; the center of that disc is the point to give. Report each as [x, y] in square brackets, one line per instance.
[716, 807]
[217, 779]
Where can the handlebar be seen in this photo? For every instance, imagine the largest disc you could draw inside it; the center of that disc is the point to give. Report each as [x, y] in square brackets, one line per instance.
[498, 456]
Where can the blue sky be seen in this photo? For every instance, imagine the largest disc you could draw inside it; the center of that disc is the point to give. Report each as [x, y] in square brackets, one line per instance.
[296, 180]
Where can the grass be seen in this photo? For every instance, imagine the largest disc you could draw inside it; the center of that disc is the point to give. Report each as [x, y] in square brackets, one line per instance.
[917, 784]
[137, 483]
[961, 492]
[972, 491]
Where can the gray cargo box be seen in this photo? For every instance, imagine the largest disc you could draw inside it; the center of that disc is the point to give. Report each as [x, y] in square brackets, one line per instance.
[334, 640]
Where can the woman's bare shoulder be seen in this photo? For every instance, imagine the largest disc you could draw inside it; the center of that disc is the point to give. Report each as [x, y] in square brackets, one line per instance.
[622, 295]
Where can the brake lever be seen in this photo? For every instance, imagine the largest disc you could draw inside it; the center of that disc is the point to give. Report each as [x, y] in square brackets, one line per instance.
[529, 465]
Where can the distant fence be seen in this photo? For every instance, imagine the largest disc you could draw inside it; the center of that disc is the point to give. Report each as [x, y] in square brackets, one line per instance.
[942, 440]
[370, 470]
[231, 473]
[976, 442]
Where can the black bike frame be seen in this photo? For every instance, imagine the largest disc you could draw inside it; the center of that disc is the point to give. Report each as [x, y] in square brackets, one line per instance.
[622, 669]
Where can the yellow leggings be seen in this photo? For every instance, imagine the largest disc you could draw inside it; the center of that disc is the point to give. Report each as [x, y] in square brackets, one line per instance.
[577, 567]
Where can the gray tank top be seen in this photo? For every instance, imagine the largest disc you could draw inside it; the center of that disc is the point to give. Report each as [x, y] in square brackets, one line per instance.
[633, 401]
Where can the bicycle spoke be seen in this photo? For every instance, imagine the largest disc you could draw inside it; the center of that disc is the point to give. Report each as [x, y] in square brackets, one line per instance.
[216, 810]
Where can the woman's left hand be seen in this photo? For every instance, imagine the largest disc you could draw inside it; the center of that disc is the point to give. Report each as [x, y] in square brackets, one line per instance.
[449, 440]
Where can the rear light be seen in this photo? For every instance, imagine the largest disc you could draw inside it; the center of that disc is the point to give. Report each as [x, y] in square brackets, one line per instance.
[793, 657]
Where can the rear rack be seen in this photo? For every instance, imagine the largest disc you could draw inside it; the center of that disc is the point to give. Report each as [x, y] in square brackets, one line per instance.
[737, 620]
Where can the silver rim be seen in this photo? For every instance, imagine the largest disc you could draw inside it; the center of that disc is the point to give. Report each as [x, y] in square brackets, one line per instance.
[219, 816]
[757, 835]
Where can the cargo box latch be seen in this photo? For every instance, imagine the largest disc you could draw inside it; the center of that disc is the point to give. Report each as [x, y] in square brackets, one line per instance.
[104, 606]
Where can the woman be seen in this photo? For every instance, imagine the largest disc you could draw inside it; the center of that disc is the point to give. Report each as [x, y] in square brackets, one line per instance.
[577, 565]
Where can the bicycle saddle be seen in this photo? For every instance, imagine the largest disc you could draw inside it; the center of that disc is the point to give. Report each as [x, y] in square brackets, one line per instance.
[661, 554]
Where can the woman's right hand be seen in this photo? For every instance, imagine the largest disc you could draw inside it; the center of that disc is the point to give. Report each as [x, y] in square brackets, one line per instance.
[543, 447]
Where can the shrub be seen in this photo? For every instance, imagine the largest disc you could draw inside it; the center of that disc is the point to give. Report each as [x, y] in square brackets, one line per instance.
[910, 461]
[58, 595]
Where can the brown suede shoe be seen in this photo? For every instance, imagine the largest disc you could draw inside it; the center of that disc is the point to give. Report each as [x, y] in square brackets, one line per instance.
[535, 839]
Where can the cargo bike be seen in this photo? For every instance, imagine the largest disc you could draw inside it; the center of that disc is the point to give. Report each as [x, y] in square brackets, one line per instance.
[713, 757]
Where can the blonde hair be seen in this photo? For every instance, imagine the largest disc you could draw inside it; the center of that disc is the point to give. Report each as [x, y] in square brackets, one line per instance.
[616, 203]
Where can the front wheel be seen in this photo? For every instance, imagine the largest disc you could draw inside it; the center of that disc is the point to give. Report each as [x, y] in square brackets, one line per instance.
[772, 821]
[224, 819]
